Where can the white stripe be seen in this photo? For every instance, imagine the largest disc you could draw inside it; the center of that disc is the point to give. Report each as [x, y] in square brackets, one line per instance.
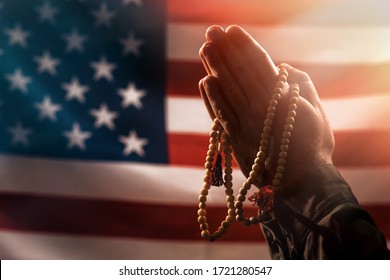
[18, 245]
[291, 44]
[149, 183]
[370, 112]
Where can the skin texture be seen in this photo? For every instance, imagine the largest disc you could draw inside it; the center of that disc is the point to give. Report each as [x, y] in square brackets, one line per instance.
[240, 81]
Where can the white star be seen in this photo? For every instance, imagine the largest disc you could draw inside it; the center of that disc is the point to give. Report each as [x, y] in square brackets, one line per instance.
[131, 96]
[103, 69]
[103, 16]
[104, 117]
[133, 144]
[47, 12]
[74, 41]
[138, 3]
[17, 36]
[19, 134]
[76, 137]
[74, 90]
[46, 63]
[18, 81]
[47, 109]
[131, 45]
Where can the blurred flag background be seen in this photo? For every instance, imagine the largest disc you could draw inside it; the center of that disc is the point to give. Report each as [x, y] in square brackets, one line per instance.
[103, 134]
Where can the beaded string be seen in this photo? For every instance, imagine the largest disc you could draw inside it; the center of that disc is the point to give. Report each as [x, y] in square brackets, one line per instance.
[216, 134]
[261, 167]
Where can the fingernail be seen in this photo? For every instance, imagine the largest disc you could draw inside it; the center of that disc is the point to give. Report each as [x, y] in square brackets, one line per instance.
[215, 33]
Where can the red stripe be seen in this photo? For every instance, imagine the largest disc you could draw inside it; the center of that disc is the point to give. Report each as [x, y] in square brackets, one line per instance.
[237, 12]
[34, 213]
[353, 148]
[331, 81]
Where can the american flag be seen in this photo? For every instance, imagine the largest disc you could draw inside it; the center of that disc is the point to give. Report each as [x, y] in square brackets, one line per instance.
[103, 134]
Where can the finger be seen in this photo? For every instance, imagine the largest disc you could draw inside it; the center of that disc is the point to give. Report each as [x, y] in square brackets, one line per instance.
[205, 99]
[204, 61]
[220, 106]
[238, 66]
[254, 55]
[307, 89]
[230, 88]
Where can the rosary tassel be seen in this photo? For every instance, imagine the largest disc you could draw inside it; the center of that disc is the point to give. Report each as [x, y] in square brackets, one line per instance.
[216, 176]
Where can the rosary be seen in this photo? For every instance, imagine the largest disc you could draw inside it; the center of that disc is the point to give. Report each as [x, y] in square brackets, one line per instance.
[261, 168]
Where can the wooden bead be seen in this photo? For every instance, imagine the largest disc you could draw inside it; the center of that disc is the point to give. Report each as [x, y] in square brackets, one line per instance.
[279, 84]
[241, 198]
[261, 155]
[247, 222]
[202, 205]
[285, 141]
[205, 233]
[213, 134]
[292, 107]
[294, 100]
[238, 204]
[228, 164]
[206, 186]
[222, 230]
[239, 211]
[273, 103]
[224, 224]
[217, 234]
[284, 148]
[268, 163]
[270, 116]
[212, 238]
[228, 170]
[268, 122]
[277, 96]
[290, 120]
[204, 226]
[239, 218]
[228, 177]
[201, 212]
[202, 198]
[228, 185]
[229, 198]
[230, 205]
[201, 219]
[209, 159]
[256, 167]
[286, 134]
[225, 136]
[226, 144]
[210, 153]
[204, 192]
[288, 127]
[283, 155]
[278, 90]
[253, 220]
[213, 140]
[292, 114]
[282, 161]
[253, 175]
[267, 129]
[279, 175]
[243, 191]
[246, 186]
[294, 93]
[229, 219]
[231, 211]
[280, 169]
[276, 182]
[282, 78]
[227, 151]
[208, 165]
[271, 109]
[212, 147]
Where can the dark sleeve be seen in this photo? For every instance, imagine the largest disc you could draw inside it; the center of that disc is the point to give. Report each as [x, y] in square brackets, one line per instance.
[322, 219]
